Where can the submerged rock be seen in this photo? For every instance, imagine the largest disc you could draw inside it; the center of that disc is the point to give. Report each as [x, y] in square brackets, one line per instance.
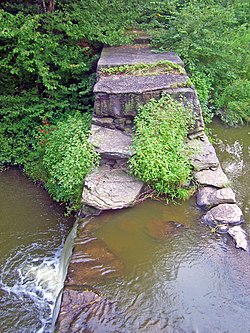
[92, 261]
[208, 197]
[75, 302]
[216, 178]
[222, 214]
[161, 229]
[108, 188]
[239, 236]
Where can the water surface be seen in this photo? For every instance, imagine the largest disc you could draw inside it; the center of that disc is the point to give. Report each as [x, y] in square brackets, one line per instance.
[32, 233]
[177, 276]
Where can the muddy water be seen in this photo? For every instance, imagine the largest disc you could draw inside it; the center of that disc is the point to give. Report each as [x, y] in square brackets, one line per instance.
[32, 233]
[177, 276]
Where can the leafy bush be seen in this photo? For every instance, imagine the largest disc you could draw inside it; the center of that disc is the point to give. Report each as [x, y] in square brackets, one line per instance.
[68, 158]
[235, 99]
[212, 37]
[160, 159]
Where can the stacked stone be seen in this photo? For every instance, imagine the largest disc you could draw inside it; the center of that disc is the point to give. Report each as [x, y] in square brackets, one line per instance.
[117, 99]
[214, 194]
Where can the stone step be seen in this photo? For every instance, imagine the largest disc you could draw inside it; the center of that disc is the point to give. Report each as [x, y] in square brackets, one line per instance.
[134, 54]
[111, 143]
[108, 188]
[119, 96]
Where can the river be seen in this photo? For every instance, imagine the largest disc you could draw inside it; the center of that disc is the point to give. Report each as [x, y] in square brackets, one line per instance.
[177, 275]
[32, 233]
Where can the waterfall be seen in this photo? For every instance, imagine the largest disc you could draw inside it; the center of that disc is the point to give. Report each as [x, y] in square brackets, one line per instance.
[62, 271]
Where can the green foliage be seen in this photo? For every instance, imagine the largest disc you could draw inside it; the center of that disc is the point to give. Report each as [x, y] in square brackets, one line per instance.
[140, 69]
[212, 37]
[46, 71]
[160, 159]
[235, 99]
[68, 158]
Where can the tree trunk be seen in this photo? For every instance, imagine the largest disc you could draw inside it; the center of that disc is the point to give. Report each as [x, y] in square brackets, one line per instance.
[51, 5]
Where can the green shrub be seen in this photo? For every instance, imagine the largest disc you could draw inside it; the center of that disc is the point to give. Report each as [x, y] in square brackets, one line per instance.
[68, 158]
[160, 160]
[212, 37]
[235, 99]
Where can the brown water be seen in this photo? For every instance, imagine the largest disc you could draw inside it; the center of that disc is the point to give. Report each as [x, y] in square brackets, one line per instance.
[177, 275]
[32, 233]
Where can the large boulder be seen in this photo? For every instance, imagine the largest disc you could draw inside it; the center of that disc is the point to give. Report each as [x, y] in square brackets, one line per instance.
[216, 178]
[208, 197]
[229, 214]
[108, 188]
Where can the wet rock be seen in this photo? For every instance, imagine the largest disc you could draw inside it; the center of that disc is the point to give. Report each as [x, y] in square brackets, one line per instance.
[239, 236]
[216, 178]
[160, 229]
[75, 302]
[208, 197]
[229, 214]
[108, 188]
[111, 143]
[203, 155]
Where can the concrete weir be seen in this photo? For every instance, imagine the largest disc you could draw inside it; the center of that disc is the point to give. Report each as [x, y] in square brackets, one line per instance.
[117, 98]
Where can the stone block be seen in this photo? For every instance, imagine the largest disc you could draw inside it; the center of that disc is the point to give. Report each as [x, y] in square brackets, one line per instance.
[208, 197]
[111, 143]
[108, 188]
[216, 178]
[229, 214]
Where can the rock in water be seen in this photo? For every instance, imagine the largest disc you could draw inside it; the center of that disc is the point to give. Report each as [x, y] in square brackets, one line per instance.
[203, 155]
[216, 178]
[229, 214]
[209, 196]
[239, 235]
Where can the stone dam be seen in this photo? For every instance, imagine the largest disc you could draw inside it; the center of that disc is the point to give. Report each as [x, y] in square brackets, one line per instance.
[117, 98]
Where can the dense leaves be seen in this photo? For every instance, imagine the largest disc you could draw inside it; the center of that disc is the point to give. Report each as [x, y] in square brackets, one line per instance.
[48, 52]
[213, 39]
[68, 161]
[160, 159]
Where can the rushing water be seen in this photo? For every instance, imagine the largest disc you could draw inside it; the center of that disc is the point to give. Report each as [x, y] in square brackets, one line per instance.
[32, 233]
[177, 275]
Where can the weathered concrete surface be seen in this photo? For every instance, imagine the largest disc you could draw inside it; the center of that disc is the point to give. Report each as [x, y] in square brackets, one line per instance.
[207, 197]
[203, 155]
[229, 214]
[111, 143]
[134, 54]
[216, 178]
[118, 84]
[108, 188]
